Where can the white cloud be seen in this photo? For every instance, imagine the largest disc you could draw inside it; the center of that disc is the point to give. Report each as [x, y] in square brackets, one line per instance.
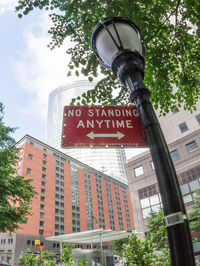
[6, 5]
[38, 69]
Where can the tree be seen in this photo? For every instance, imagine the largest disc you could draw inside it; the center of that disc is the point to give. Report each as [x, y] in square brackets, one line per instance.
[67, 253]
[16, 192]
[156, 229]
[144, 253]
[30, 259]
[118, 246]
[171, 34]
[27, 258]
[194, 215]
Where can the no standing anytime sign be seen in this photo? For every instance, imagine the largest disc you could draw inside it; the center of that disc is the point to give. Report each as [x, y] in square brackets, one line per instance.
[102, 126]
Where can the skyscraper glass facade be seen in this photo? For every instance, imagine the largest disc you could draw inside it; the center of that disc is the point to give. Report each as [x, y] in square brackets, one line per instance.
[109, 161]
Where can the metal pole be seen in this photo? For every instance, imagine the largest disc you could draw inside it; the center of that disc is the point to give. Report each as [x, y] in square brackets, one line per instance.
[101, 250]
[179, 237]
[61, 252]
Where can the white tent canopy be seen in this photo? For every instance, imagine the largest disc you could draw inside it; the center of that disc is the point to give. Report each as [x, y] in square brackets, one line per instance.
[91, 236]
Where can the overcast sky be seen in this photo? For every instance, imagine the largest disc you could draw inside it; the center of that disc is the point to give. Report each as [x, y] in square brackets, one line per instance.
[29, 70]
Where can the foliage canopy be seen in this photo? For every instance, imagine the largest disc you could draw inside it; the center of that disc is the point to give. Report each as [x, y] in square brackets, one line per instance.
[16, 192]
[145, 253]
[171, 30]
[194, 215]
[45, 258]
[156, 229]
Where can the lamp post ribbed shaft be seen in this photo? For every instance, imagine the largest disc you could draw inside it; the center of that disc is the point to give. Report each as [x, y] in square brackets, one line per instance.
[119, 47]
[179, 237]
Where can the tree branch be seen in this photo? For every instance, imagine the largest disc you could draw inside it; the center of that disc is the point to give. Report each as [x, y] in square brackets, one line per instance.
[175, 10]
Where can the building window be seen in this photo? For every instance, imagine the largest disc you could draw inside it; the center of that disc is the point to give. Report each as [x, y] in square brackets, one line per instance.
[44, 169]
[150, 200]
[183, 127]
[42, 206]
[30, 156]
[28, 170]
[139, 171]
[28, 242]
[32, 143]
[174, 155]
[42, 223]
[44, 162]
[42, 198]
[43, 183]
[192, 146]
[41, 232]
[44, 156]
[10, 240]
[43, 176]
[189, 182]
[42, 190]
[56, 226]
[41, 214]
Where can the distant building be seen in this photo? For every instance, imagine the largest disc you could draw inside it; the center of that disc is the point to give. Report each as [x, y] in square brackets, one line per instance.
[111, 161]
[72, 197]
[182, 132]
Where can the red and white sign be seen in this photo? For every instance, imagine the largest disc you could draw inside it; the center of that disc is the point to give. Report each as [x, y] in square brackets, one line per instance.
[102, 126]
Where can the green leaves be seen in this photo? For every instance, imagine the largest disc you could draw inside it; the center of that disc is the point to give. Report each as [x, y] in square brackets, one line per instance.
[45, 258]
[194, 215]
[156, 229]
[16, 192]
[137, 252]
[171, 33]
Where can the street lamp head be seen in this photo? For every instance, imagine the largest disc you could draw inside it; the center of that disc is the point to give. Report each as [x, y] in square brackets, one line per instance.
[114, 37]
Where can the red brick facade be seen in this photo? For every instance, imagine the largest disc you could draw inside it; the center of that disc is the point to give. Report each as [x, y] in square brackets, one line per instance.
[94, 202]
[117, 228]
[68, 196]
[53, 208]
[123, 208]
[82, 200]
[105, 204]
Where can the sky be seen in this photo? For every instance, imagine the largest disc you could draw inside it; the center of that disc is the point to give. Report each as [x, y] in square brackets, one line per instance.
[29, 70]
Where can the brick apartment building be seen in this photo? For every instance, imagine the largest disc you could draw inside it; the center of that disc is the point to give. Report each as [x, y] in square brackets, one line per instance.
[72, 197]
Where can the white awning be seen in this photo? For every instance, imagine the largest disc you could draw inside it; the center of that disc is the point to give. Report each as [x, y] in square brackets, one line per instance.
[91, 236]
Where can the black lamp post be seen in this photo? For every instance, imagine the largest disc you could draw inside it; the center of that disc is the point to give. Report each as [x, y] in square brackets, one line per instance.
[118, 45]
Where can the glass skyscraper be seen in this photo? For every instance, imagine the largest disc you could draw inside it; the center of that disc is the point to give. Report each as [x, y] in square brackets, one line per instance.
[111, 161]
